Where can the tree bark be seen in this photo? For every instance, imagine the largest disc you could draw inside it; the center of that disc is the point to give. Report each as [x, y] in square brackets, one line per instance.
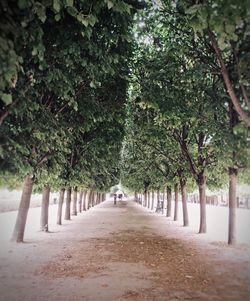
[80, 201]
[176, 201]
[169, 201]
[202, 199]
[85, 201]
[90, 199]
[60, 206]
[148, 199]
[158, 198]
[184, 202]
[74, 207]
[68, 203]
[93, 199]
[232, 205]
[96, 198]
[44, 222]
[152, 200]
[145, 199]
[163, 198]
[18, 233]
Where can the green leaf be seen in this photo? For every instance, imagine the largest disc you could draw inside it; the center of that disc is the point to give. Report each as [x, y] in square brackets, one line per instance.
[72, 11]
[57, 17]
[34, 51]
[69, 2]
[92, 84]
[92, 20]
[85, 22]
[193, 9]
[40, 11]
[110, 4]
[88, 32]
[6, 98]
[56, 5]
[75, 106]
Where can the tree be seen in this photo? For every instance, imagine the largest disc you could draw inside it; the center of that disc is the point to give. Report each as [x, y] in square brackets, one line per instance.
[229, 43]
[177, 95]
[66, 45]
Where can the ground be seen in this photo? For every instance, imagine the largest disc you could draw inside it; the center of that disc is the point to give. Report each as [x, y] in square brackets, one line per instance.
[123, 252]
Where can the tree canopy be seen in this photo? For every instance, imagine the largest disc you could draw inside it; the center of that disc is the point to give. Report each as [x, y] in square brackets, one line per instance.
[152, 94]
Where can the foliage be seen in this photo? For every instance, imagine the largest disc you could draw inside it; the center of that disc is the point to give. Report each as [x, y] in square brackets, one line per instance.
[64, 126]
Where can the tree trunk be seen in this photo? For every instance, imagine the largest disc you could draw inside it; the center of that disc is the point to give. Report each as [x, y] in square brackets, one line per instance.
[184, 202]
[169, 201]
[136, 197]
[44, 222]
[68, 203]
[158, 198]
[152, 200]
[232, 205]
[163, 198]
[60, 206]
[18, 233]
[202, 198]
[74, 207]
[176, 201]
[85, 201]
[93, 199]
[80, 201]
[145, 199]
[148, 199]
[96, 198]
[90, 199]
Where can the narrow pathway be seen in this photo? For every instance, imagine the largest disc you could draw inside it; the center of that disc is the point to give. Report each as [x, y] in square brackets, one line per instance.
[122, 252]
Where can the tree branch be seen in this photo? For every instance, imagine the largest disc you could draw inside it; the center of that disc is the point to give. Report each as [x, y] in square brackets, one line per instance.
[230, 90]
[244, 92]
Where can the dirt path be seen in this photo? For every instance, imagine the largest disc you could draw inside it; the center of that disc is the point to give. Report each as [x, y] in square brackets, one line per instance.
[123, 252]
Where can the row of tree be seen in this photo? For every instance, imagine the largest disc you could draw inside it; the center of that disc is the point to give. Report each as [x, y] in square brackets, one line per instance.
[75, 202]
[188, 114]
[64, 77]
[65, 70]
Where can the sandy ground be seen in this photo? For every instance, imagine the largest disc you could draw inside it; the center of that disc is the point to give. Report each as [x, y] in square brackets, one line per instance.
[122, 252]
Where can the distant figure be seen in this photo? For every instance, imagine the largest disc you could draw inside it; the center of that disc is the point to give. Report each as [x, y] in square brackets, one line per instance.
[115, 196]
[120, 196]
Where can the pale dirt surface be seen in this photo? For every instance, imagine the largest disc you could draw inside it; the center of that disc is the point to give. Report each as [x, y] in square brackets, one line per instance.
[123, 252]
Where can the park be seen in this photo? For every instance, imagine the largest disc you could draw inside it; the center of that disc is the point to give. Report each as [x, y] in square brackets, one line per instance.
[125, 150]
